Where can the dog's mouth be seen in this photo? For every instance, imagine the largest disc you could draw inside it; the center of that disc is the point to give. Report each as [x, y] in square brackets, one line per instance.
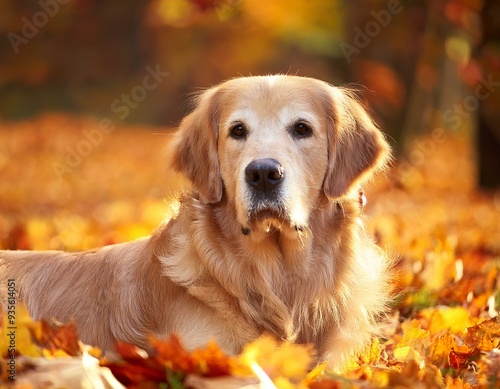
[269, 218]
[268, 214]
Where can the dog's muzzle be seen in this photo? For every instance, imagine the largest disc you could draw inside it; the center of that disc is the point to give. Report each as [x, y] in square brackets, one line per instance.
[264, 178]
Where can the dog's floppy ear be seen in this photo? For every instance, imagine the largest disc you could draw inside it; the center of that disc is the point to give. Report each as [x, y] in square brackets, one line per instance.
[357, 148]
[194, 149]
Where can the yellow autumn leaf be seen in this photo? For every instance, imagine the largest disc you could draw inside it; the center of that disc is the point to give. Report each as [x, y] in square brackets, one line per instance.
[491, 326]
[414, 336]
[54, 354]
[380, 378]
[439, 266]
[369, 355]
[441, 347]
[485, 336]
[315, 373]
[454, 319]
[261, 346]
[372, 354]
[284, 383]
[406, 354]
[16, 332]
[277, 359]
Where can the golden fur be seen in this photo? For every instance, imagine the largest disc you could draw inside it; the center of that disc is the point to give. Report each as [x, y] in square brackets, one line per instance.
[234, 264]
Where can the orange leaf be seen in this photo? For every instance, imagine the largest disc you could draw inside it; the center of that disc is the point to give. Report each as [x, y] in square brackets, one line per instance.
[172, 354]
[441, 348]
[212, 361]
[484, 336]
[325, 384]
[462, 357]
[129, 352]
[414, 336]
[58, 337]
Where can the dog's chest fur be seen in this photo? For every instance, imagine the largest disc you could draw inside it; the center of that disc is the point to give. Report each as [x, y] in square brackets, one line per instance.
[280, 286]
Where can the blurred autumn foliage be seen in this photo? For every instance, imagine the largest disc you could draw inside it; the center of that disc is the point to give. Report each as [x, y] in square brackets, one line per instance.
[429, 71]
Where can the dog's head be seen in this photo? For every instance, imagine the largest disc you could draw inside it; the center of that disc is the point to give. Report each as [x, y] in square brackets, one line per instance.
[276, 145]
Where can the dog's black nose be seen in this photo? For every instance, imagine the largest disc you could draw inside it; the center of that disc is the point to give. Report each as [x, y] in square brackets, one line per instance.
[264, 174]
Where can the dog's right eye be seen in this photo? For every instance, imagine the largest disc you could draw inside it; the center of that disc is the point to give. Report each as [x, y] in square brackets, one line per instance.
[238, 131]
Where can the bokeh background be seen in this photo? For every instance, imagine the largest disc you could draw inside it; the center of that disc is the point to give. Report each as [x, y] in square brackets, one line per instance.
[413, 59]
[90, 91]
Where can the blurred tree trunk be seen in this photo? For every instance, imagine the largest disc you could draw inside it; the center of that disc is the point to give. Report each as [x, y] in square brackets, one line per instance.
[427, 82]
[489, 119]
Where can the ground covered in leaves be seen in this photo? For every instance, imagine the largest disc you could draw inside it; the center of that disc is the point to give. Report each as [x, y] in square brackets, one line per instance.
[443, 332]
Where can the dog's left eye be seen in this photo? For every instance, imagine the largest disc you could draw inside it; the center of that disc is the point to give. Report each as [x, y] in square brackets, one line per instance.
[302, 130]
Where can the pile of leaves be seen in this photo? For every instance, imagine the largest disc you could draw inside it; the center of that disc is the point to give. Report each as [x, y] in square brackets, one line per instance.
[443, 330]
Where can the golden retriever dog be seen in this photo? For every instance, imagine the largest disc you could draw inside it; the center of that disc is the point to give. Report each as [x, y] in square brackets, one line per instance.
[270, 240]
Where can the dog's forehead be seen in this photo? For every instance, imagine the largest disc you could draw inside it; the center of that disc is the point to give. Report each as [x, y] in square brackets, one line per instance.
[273, 98]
